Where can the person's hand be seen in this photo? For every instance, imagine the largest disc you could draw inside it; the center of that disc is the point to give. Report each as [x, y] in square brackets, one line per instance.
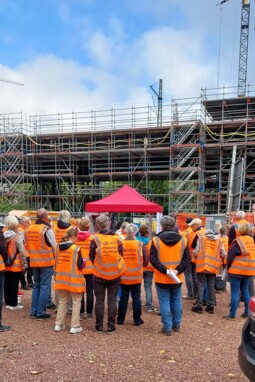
[168, 272]
[175, 271]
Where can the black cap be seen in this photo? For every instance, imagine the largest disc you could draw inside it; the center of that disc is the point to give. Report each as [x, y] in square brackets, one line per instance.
[189, 220]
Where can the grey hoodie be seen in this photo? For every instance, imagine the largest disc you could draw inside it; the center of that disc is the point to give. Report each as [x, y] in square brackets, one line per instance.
[8, 235]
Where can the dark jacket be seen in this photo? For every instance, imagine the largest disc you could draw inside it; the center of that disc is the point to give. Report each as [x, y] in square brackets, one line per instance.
[169, 238]
[62, 225]
[194, 242]
[66, 245]
[3, 248]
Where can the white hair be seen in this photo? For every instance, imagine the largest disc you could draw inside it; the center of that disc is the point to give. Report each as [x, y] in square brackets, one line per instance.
[131, 228]
[64, 216]
[11, 222]
[240, 215]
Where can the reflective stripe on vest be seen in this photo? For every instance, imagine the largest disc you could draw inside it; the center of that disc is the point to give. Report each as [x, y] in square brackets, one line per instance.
[176, 252]
[2, 266]
[133, 257]
[68, 276]
[12, 250]
[107, 250]
[41, 255]
[244, 265]
[148, 267]
[85, 248]
[208, 259]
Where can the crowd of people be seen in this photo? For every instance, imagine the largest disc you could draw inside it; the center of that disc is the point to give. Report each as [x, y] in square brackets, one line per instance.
[84, 265]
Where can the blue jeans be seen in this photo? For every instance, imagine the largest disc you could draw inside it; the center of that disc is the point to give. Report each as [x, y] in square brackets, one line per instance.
[41, 290]
[170, 307]
[237, 284]
[135, 291]
[147, 279]
[1, 294]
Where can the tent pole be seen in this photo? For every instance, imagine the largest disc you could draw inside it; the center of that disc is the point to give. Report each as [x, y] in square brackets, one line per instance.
[150, 225]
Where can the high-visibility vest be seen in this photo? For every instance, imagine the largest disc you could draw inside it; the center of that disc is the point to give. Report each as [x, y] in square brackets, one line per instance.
[84, 248]
[22, 230]
[148, 267]
[208, 258]
[244, 265]
[108, 263]
[170, 257]
[68, 276]
[237, 225]
[133, 257]
[190, 236]
[59, 233]
[2, 266]
[12, 250]
[41, 254]
[224, 239]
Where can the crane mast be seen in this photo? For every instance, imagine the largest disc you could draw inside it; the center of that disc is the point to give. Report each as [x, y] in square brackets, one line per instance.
[243, 53]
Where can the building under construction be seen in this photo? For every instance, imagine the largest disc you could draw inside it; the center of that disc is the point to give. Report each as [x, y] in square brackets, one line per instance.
[182, 161]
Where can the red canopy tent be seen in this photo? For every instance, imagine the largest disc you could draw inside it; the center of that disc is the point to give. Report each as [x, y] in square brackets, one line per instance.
[126, 199]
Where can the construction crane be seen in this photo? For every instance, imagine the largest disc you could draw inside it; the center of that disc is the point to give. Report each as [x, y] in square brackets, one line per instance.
[11, 82]
[244, 42]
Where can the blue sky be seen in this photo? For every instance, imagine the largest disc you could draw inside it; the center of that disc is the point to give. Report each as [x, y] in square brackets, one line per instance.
[75, 54]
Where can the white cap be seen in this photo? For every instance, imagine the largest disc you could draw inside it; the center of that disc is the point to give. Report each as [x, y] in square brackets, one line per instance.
[195, 221]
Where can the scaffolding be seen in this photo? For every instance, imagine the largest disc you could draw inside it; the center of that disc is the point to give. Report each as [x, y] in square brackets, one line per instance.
[61, 161]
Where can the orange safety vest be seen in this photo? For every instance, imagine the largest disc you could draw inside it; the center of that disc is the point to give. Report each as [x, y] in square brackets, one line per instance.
[224, 239]
[133, 257]
[108, 263]
[171, 257]
[41, 255]
[208, 258]
[22, 230]
[2, 266]
[244, 265]
[68, 276]
[84, 248]
[12, 250]
[190, 236]
[59, 233]
[148, 267]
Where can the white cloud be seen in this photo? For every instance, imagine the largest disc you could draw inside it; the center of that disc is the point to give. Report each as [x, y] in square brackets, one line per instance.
[121, 72]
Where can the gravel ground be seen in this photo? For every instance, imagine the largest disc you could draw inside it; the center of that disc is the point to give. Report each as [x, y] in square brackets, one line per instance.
[204, 350]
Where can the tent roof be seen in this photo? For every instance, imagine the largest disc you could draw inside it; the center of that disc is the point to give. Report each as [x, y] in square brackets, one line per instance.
[126, 199]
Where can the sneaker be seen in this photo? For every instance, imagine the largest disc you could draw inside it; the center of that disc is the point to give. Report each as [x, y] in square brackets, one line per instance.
[43, 317]
[89, 317]
[17, 307]
[7, 306]
[244, 315]
[25, 287]
[20, 293]
[32, 316]
[51, 306]
[58, 328]
[111, 330]
[176, 328]
[210, 309]
[76, 330]
[119, 322]
[228, 317]
[139, 323]
[197, 309]
[188, 297]
[99, 330]
[81, 316]
[4, 328]
[167, 332]
[30, 285]
[150, 310]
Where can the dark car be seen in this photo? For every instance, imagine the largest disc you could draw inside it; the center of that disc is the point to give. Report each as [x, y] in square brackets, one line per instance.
[246, 351]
